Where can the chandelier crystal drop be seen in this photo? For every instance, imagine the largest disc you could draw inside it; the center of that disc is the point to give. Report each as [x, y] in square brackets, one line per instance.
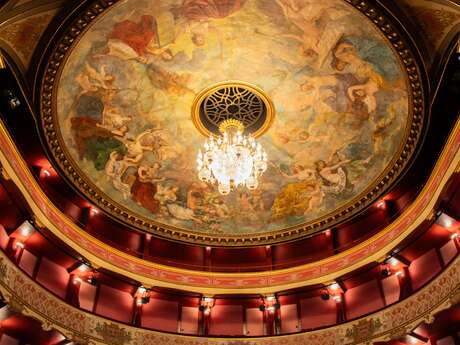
[231, 159]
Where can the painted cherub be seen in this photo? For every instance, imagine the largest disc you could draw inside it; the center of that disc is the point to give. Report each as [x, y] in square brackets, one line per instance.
[115, 168]
[91, 80]
[112, 119]
[334, 176]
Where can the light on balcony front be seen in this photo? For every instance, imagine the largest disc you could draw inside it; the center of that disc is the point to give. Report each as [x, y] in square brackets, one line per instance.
[393, 262]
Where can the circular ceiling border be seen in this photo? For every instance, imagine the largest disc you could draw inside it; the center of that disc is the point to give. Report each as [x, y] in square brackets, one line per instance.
[48, 89]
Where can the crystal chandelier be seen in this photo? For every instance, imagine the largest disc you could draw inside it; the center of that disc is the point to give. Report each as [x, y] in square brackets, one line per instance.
[231, 159]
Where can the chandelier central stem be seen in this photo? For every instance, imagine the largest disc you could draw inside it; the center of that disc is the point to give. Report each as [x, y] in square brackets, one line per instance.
[231, 159]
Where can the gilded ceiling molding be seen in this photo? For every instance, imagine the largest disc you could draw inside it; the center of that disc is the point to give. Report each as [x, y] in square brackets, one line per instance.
[85, 328]
[2, 62]
[152, 274]
[387, 26]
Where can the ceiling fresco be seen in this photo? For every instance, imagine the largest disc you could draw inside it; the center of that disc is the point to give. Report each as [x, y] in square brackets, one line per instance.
[124, 99]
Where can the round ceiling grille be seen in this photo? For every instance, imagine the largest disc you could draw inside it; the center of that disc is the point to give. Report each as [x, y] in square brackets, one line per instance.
[232, 100]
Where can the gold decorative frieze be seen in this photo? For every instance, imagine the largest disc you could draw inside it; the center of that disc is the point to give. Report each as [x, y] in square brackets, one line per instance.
[85, 328]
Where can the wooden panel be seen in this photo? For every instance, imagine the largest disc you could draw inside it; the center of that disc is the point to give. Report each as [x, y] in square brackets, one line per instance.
[3, 238]
[391, 289]
[189, 320]
[161, 315]
[254, 322]
[168, 252]
[109, 231]
[307, 250]
[86, 296]
[236, 259]
[317, 313]
[361, 227]
[424, 268]
[28, 262]
[114, 304]
[226, 320]
[363, 299]
[53, 277]
[448, 252]
[289, 318]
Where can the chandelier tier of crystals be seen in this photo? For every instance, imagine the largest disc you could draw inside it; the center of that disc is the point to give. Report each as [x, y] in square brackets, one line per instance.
[231, 159]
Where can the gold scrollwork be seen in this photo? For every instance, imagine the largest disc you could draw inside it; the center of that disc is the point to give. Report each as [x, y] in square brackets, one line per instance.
[2, 62]
[113, 333]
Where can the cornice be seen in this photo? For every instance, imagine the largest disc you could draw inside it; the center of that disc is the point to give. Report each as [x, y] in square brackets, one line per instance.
[84, 328]
[151, 274]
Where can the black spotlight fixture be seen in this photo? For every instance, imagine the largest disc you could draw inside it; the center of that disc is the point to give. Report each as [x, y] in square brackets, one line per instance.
[92, 281]
[325, 296]
[262, 307]
[385, 272]
[145, 300]
[11, 99]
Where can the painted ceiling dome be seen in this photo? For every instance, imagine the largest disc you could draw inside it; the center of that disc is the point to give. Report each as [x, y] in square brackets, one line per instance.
[343, 122]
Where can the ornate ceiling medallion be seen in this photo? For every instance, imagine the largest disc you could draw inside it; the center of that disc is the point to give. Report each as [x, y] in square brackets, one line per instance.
[233, 100]
[117, 91]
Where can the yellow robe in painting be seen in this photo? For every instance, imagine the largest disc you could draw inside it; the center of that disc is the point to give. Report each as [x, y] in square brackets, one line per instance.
[294, 199]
